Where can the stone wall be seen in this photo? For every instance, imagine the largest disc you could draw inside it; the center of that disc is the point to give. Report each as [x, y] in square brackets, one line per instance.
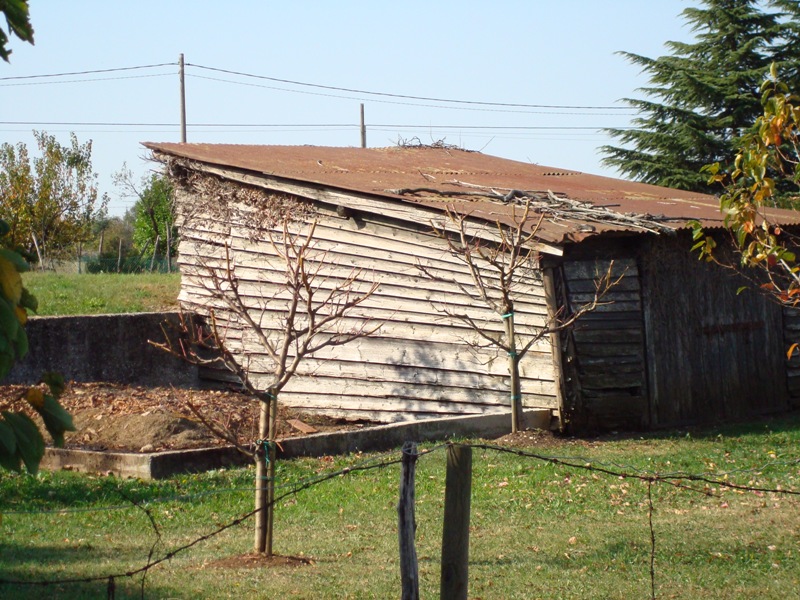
[109, 348]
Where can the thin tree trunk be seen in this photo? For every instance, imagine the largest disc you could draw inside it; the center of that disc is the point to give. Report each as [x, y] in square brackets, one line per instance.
[265, 473]
[260, 542]
[38, 252]
[513, 370]
[119, 256]
[169, 250]
[155, 252]
[273, 455]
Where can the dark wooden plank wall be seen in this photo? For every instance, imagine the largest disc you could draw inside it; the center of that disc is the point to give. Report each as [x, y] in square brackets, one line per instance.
[607, 383]
[791, 335]
[713, 354]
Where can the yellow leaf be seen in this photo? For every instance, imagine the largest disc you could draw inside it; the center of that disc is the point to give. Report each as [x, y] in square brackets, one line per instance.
[791, 350]
[35, 397]
[10, 281]
[22, 315]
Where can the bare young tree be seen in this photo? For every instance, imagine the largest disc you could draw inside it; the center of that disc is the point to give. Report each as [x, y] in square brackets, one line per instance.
[263, 335]
[499, 269]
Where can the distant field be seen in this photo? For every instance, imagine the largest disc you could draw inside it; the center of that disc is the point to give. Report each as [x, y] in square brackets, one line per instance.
[103, 293]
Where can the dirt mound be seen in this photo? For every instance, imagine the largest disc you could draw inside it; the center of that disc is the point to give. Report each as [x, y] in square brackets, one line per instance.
[137, 419]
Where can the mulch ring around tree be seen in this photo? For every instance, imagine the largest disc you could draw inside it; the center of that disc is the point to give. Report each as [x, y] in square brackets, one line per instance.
[128, 418]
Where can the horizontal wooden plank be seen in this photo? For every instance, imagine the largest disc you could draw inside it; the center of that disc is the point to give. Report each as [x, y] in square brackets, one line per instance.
[594, 269]
[382, 307]
[612, 296]
[609, 350]
[628, 283]
[421, 354]
[259, 270]
[633, 335]
[611, 382]
[610, 320]
[410, 408]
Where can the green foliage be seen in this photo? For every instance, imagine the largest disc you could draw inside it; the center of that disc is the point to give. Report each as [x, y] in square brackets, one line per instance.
[153, 212]
[704, 96]
[764, 173]
[50, 202]
[18, 21]
[21, 443]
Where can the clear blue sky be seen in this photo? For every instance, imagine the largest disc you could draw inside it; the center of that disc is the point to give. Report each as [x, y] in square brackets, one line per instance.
[520, 52]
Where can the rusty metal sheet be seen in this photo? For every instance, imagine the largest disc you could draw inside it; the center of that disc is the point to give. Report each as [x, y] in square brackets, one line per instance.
[433, 171]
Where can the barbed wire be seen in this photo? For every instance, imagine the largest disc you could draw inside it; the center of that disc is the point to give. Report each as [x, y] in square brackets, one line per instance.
[676, 480]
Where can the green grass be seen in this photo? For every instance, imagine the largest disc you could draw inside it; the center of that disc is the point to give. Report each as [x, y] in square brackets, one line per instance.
[103, 293]
[538, 530]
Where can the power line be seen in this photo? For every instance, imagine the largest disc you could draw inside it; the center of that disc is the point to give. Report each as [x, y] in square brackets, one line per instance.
[398, 103]
[318, 125]
[406, 96]
[27, 83]
[92, 72]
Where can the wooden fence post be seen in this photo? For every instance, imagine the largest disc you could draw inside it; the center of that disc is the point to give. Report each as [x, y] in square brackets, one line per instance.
[455, 535]
[407, 525]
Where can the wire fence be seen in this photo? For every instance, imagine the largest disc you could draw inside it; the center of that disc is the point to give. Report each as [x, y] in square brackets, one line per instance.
[110, 264]
[706, 484]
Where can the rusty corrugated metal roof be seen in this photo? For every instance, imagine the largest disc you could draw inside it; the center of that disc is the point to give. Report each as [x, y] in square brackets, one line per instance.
[433, 171]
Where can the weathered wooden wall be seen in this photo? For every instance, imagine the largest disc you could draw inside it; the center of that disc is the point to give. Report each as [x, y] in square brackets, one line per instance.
[419, 364]
[791, 336]
[713, 354]
[605, 348]
[677, 345]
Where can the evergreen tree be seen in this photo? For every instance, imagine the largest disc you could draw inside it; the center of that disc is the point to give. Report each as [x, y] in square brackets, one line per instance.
[705, 95]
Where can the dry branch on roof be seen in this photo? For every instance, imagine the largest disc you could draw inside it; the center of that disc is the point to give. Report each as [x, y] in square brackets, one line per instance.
[551, 206]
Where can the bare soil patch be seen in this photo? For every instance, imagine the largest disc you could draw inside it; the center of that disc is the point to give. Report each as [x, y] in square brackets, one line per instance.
[540, 438]
[138, 419]
[126, 418]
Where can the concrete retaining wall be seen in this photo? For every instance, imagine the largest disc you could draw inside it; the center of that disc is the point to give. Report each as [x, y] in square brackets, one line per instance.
[160, 465]
[111, 348]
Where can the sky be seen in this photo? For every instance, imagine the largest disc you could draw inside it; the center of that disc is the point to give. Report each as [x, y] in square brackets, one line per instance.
[296, 73]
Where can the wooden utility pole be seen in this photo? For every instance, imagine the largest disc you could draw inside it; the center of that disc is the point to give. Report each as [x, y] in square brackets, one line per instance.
[455, 535]
[363, 128]
[407, 525]
[182, 76]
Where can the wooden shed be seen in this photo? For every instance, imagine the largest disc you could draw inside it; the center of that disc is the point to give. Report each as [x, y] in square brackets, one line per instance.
[673, 344]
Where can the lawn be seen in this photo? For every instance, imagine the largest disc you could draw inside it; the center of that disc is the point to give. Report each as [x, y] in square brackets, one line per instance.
[538, 529]
[102, 293]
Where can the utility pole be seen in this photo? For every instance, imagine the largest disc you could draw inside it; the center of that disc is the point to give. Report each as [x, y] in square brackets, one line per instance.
[363, 128]
[182, 75]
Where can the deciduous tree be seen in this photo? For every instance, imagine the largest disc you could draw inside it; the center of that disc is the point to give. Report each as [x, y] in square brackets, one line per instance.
[50, 201]
[153, 211]
[764, 173]
[262, 331]
[502, 263]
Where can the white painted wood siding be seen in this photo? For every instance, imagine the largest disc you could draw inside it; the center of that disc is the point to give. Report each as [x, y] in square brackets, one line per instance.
[421, 363]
